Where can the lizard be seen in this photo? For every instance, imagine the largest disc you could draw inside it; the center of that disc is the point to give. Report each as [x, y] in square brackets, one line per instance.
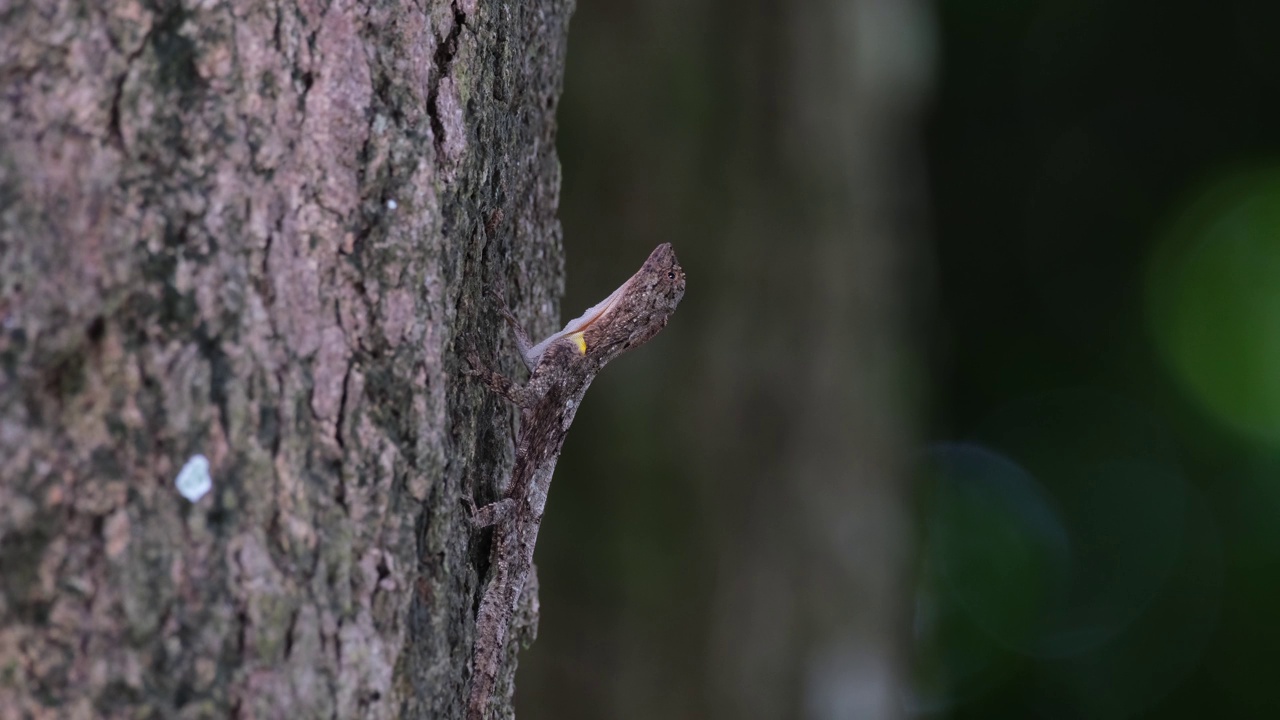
[561, 367]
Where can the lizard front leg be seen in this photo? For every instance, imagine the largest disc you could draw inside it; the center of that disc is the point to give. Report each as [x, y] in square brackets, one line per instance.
[491, 514]
[519, 395]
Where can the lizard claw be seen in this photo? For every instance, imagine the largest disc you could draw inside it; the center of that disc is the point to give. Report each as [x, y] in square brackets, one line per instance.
[522, 337]
[472, 510]
[474, 366]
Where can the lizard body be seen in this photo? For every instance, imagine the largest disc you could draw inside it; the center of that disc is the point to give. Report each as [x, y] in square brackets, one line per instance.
[561, 368]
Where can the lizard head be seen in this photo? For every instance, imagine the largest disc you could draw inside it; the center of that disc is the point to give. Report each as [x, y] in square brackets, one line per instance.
[663, 278]
[643, 306]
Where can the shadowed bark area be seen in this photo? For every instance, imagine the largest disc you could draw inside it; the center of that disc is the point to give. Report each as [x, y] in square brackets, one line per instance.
[260, 235]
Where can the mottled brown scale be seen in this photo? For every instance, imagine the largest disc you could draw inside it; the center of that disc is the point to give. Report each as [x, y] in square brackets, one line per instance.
[548, 402]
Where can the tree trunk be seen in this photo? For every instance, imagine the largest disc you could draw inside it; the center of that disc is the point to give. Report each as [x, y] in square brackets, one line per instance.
[813, 606]
[751, 557]
[260, 236]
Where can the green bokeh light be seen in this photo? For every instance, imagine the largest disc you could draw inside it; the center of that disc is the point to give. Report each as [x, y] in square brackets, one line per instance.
[1214, 301]
[995, 541]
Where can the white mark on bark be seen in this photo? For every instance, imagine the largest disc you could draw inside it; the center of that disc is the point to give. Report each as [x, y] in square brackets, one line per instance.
[193, 480]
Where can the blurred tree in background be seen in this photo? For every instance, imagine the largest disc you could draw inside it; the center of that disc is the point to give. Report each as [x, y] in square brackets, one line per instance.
[729, 533]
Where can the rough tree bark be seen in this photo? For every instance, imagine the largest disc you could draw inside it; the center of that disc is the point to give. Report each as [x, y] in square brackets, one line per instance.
[259, 233]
